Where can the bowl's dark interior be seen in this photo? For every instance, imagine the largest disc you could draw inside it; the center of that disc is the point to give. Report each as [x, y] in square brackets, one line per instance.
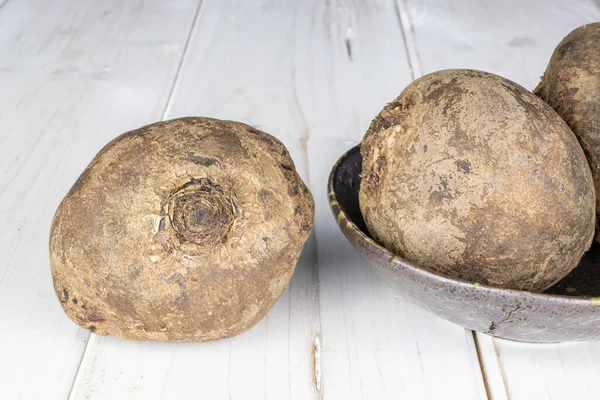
[582, 281]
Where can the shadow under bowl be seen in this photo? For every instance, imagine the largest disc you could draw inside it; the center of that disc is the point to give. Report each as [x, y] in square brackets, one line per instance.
[570, 310]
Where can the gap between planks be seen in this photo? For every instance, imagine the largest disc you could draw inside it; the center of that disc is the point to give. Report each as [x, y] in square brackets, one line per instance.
[410, 45]
[316, 345]
[414, 63]
[3, 3]
[491, 390]
[165, 113]
[184, 56]
[415, 71]
[482, 367]
[76, 377]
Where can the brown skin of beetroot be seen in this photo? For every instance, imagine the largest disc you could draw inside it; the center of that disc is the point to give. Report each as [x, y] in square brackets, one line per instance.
[571, 85]
[469, 175]
[184, 230]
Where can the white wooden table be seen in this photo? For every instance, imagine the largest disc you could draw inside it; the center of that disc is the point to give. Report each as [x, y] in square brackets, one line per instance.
[76, 73]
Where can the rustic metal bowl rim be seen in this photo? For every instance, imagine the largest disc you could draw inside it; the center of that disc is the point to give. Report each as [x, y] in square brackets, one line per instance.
[399, 262]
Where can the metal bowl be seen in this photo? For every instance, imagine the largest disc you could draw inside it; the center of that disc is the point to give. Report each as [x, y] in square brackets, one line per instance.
[567, 311]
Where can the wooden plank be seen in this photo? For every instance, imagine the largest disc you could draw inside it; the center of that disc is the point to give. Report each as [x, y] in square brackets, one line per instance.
[70, 80]
[567, 371]
[348, 65]
[238, 66]
[308, 74]
[514, 39]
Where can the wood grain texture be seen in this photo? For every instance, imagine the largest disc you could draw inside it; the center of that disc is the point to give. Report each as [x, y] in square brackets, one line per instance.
[60, 103]
[298, 77]
[554, 371]
[235, 67]
[74, 74]
[375, 346]
[514, 39]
